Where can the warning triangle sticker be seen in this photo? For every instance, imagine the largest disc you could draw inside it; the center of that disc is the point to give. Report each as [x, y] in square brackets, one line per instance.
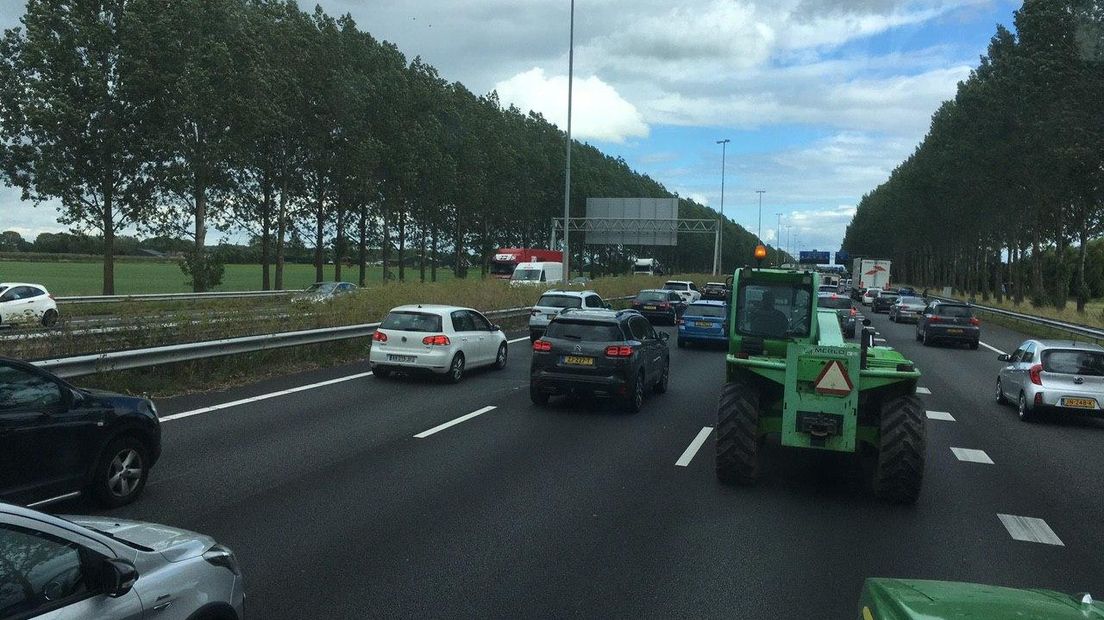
[833, 380]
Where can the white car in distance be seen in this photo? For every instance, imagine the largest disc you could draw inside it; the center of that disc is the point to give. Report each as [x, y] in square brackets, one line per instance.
[22, 303]
[869, 295]
[443, 340]
[685, 289]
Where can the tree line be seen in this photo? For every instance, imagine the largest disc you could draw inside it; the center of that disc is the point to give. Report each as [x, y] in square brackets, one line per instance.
[178, 117]
[1006, 191]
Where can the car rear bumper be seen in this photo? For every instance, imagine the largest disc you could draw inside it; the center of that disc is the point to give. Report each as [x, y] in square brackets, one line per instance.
[660, 315]
[1055, 399]
[605, 386]
[436, 361]
[685, 334]
[965, 333]
[902, 315]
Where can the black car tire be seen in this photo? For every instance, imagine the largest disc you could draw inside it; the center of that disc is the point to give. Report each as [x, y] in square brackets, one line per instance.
[500, 358]
[899, 472]
[538, 397]
[924, 339]
[737, 457]
[456, 369]
[381, 372]
[1025, 413]
[664, 378]
[918, 334]
[975, 344]
[49, 318]
[116, 454]
[1001, 400]
[634, 400]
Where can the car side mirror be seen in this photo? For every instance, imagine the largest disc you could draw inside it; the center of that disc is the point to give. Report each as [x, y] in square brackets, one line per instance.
[608, 306]
[117, 577]
[1004, 357]
[664, 336]
[866, 322]
[496, 327]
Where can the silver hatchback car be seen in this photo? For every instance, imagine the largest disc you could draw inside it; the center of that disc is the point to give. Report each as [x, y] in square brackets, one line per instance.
[1053, 375]
[98, 567]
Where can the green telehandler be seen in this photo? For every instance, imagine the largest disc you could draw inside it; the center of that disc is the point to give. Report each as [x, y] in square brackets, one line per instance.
[789, 371]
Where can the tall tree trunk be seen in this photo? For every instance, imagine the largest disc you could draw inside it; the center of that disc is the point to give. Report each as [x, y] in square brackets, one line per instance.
[199, 283]
[339, 242]
[421, 253]
[385, 242]
[109, 244]
[266, 235]
[362, 230]
[1082, 286]
[433, 261]
[402, 245]
[320, 224]
[459, 269]
[281, 231]
[1036, 268]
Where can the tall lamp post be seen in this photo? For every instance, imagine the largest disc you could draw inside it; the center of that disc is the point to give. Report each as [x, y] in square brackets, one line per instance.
[760, 233]
[567, 165]
[718, 254]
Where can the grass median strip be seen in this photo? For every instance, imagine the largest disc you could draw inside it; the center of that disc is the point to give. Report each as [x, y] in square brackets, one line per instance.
[450, 423]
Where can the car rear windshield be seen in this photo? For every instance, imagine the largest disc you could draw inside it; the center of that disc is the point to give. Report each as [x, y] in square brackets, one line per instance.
[1074, 362]
[677, 286]
[912, 301]
[708, 310]
[835, 302]
[412, 322]
[827, 288]
[962, 312]
[322, 287]
[651, 296]
[584, 331]
[560, 301]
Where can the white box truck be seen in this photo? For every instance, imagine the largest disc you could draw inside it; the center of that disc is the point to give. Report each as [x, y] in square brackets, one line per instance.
[870, 273]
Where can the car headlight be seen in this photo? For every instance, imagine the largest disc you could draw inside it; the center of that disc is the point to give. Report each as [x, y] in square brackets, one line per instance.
[220, 555]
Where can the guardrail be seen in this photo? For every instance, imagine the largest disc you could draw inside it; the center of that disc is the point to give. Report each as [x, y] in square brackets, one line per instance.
[1073, 328]
[102, 299]
[81, 365]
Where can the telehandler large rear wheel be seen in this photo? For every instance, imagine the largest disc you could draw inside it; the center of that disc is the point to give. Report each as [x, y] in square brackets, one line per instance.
[737, 458]
[900, 469]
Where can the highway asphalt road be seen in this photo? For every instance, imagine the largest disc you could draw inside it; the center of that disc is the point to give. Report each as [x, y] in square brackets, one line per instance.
[336, 508]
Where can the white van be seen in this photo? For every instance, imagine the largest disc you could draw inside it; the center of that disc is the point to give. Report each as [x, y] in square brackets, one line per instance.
[537, 273]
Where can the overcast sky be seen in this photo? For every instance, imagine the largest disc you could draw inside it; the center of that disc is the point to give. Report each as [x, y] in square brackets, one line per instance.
[821, 98]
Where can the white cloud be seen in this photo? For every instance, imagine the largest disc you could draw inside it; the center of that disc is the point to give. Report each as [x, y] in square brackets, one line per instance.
[698, 197]
[598, 112]
[820, 229]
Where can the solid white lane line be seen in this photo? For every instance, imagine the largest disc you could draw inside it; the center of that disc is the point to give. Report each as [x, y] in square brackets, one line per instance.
[253, 399]
[51, 500]
[1030, 529]
[463, 418]
[991, 348]
[518, 339]
[969, 455]
[879, 340]
[923, 390]
[940, 415]
[694, 446]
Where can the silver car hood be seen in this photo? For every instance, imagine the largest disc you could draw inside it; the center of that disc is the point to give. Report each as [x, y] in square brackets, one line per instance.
[172, 543]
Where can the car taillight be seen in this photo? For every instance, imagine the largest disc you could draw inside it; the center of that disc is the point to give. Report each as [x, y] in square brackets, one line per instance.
[1035, 374]
[542, 345]
[534, 312]
[664, 305]
[619, 351]
[975, 321]
[854, 312]
[934, 319]
[440, 340]
[379, 336]
[682, 321]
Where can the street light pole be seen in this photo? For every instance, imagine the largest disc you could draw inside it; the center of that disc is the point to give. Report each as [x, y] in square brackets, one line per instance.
[718, 253]
[760, 234]
[778, 238]
[567, 165]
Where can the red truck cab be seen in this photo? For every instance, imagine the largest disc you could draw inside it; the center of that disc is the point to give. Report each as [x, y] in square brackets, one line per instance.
[506, 259]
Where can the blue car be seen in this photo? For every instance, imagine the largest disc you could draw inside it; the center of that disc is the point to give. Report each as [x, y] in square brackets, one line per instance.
[703, 321]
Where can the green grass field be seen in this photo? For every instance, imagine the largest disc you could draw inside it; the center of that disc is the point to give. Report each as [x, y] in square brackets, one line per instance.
[86, 277]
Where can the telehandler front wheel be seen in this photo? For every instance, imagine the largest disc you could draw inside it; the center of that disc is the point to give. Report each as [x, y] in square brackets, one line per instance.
[900, 468]
[737, 459]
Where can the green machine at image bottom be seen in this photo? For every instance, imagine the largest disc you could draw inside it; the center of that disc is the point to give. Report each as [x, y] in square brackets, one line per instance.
[915, 599]
[790, 372]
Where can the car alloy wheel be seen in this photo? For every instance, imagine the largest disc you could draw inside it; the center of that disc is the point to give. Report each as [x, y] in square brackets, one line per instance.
[500, 360]
[124, 472]
[456, 370]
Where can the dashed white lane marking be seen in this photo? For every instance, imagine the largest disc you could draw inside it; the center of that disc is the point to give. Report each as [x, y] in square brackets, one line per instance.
[694, 446]
[463, 418]
[992, 348]
[518, 339]
[940, 415]
[253, 399]
[879, 340]
[923, 390]
[1030, 529]
[969, 455]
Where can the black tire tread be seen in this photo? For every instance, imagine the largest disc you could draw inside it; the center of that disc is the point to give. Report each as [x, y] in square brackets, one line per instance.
[737, 456]
[899, 472]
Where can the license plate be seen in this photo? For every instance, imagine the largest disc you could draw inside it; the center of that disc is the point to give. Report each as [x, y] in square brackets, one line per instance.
[1079, 403]
[703, 324]
[649, 307]
[578, 360]
[409, 359]
[954, 331]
